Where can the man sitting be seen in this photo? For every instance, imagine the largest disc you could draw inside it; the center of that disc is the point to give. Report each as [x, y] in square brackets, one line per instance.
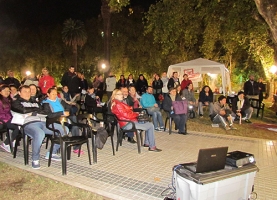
[222, 113]
[37, 129]
[242, 107]
[148, 101]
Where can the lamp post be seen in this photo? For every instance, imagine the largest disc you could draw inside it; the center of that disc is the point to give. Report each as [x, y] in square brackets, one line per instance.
[273, 70]
[103, 66]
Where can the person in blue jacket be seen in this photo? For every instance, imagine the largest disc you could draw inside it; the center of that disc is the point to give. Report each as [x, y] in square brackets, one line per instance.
[148, 102]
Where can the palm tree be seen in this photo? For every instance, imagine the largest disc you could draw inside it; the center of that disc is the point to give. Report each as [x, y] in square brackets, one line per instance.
[74, 34]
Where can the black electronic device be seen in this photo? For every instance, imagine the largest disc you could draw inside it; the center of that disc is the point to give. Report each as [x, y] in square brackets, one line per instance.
[239, 159]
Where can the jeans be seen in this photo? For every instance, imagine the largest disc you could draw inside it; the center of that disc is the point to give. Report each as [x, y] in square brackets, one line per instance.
[211, 108]
[149, 132]
[157, 118]
[220, 119]
[180, 121]
[37, 131]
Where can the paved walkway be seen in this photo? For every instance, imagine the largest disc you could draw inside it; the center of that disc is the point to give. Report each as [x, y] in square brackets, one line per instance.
[129, 175]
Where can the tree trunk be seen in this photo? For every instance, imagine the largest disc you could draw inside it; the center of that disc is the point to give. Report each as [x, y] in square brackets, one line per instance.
[74, 56]
[106, 15]
[268, 10]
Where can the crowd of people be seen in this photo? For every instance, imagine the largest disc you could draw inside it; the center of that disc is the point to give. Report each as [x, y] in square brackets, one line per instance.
[126, 99]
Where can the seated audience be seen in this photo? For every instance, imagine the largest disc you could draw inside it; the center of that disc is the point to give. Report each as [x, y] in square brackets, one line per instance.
[206, 98]
[132, 99]
[6, 116]
[92, 102]
[179, 119]
[148, 102]
[13, 92]
[241, 106]
[188, 93]
[125, 112]
[35, 94]
[222, 113]
[71, 102]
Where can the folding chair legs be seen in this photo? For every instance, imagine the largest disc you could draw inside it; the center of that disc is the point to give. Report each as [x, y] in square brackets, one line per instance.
[94, 149]
[138, 141]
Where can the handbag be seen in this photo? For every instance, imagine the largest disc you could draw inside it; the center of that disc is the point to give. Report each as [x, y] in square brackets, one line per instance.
[143, 117]
[180, 107]
[101, 137]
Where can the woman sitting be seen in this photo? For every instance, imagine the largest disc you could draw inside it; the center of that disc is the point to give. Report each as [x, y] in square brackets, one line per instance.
[52, 105]
[179, 119]
[125, 112]
[70, 102]
[188, 93]
[132, 99]
[6, 116]
[92, 102]
[36, 96]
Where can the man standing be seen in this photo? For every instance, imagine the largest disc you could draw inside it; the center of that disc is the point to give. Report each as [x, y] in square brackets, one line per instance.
[11, 80]
[46, 81]
[148, 101]
[251, 88]
[72, 81]
[261, 89]
[111, 84]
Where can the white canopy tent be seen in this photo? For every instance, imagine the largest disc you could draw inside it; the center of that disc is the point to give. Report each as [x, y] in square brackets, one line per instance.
[195, 69]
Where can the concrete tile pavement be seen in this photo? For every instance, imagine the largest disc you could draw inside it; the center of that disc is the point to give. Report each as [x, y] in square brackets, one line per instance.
[129, 175]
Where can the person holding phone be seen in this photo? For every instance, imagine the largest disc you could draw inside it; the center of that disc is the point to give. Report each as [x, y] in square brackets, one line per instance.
[242, 107]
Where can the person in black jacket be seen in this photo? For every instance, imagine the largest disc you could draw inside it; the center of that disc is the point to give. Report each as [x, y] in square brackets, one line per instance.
[141, 84]
[11, 80]
[130, 81]
[92, 102]
[241, 106]
[121, 82]
[157, 86]
[179, 119]
[251, 88]
[72, 81]
[206, 98]
[173, 82]
[261, 89]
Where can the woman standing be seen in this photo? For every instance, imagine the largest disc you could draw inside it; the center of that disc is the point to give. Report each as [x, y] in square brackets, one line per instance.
[6, 116]
[157, 89]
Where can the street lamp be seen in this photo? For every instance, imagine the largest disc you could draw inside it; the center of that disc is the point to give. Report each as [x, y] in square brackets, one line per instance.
[28, 73]
[103, 66]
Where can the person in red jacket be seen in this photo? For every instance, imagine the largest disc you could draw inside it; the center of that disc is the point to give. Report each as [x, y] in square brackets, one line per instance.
[46, 81]
[125, 112]
[185, 82]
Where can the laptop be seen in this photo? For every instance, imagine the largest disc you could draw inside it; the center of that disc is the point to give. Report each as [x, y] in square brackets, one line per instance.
[211, 159]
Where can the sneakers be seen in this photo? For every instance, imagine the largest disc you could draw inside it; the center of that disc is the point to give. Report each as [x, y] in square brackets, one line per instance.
[77, 151]
[55, 157]
[227, 128]
[35, 164]
[155, 149]
[6, 147]
[201, 115]
[158, 129]
[248, 121]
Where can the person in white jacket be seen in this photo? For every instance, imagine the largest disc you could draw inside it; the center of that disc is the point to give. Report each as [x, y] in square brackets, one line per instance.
[110, 84]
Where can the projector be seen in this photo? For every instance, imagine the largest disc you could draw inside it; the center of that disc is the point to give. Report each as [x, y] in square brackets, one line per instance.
[239, 159]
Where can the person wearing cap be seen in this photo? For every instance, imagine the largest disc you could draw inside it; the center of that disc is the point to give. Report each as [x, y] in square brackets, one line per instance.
[242, 107]
[222, 114]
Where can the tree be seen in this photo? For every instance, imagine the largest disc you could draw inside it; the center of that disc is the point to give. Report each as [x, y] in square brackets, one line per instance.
[268, 10]
[74, 34]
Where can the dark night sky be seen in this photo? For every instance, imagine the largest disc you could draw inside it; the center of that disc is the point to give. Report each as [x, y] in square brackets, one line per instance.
[29, 13]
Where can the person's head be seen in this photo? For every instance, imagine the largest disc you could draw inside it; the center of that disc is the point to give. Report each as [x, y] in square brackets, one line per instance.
[24, 92]
[178, 88]
[172, 91]
[117, 94]
[157, 77]
[241, 95]
[4, 91]
[132, 90]
[45, 71]
[206, 89]
[185, 76]
[82, 76]
[13, 89]
[149, 90]
[124, 91]
[251, 77]
[65, 89]
[100, 77]
[52, 93]
[190, 86]
[122, 77]
[164, 74]
[130, 76]
[141, 77]
[10, 73]
[110, 73]
[222, 100]
[33, 89]
[154, 75]
[175, 74]
[260, 80]
[91, 89]
[71, 69]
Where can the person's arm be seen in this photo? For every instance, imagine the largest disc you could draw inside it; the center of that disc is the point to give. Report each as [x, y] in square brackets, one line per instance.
[167, 103]
[146, 101]
[63, 81]
[62, 98]
[19, 108]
